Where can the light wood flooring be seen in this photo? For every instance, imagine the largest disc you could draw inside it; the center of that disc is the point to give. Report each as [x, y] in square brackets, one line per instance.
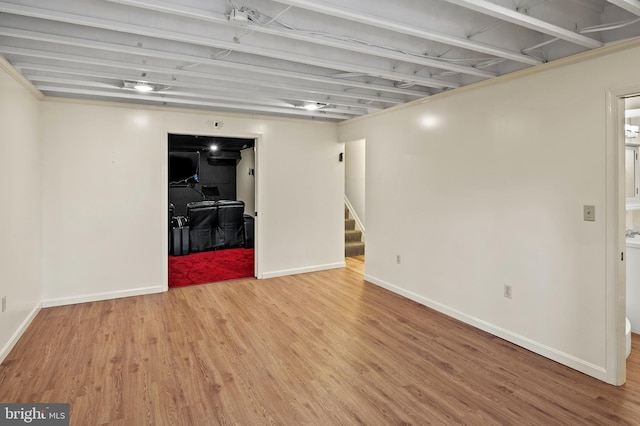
[317, 349]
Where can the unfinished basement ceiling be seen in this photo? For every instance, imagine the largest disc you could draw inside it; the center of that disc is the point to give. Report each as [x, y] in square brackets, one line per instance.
[346, 58]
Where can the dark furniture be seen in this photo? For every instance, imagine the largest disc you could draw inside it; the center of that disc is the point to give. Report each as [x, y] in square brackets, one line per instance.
[249, 226]
[230, 227]
[203, 220]
[180, 238]
[172, 210]
[215, 225]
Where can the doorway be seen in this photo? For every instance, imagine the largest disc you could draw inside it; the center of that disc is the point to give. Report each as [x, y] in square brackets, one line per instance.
[354, 197]
[617, 257]
[632, 217]
[211, 200]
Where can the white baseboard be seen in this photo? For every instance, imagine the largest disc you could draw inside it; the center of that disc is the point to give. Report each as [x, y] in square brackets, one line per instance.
[304, 270]
[539, 348]
[19, 332]
[71, 300]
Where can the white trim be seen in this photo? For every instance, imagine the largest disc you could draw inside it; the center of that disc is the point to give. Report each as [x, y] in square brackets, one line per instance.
[19, 332]
[353, 213]
[615, 268]
[22, 80]
[571, 361]
[164, 178]
[94, 297]
[304, 270]
[615, 241]
[258, 172]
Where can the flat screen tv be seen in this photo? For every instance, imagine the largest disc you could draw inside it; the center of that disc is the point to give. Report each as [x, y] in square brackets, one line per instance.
[184, 167]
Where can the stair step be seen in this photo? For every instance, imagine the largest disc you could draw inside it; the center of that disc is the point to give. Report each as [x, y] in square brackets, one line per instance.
[354, 249]
[349, 224]
[352, 236]
[346, 212]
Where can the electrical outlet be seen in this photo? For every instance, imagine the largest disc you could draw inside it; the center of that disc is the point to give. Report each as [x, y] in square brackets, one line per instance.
[398, 259]
[590, 213]
[507, 291]
[4, 303]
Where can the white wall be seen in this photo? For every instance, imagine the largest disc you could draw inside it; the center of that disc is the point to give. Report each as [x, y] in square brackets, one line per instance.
[105, 196]
[20, 192]
[355, 172]
[486, 186]
[246, 183]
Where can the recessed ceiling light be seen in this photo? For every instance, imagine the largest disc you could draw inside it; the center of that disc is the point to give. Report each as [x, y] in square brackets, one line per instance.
[313, 106]
[142, 86]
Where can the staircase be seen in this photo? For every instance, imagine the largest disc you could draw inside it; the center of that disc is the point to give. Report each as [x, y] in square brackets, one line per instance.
[353, 244]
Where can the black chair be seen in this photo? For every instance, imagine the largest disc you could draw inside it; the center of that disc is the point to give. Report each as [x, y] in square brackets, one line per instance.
[215, 225]
[230, 230]
[203, 220]
[249, 227]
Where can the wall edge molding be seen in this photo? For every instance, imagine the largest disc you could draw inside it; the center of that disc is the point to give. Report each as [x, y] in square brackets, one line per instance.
[6, 65]
[96, 297]
[19, 332]
[307, 269]
[553, 354]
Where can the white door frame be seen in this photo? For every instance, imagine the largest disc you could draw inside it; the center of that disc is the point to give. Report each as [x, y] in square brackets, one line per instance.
[615, 217]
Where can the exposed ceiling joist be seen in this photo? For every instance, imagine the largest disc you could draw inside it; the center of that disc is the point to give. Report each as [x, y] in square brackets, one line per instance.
[632, 6]
[167, 72]
[274, 57]
[415, 58]
[359, 16]
[163, 100]
[190, 59]
[530, 22]
[148, 31]
[271, 90]
[353, 108]
[232, 95]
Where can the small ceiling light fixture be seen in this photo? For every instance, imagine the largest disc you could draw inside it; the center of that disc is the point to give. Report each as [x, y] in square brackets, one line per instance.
[313, 106]
[143, 86]
[213, 147]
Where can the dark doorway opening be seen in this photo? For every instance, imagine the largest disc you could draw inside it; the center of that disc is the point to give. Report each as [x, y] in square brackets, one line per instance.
[211, 193]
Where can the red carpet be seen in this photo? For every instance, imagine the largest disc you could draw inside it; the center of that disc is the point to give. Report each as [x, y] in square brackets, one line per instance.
[210, 266]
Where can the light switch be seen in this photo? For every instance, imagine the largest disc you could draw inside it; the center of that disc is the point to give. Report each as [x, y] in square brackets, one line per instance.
[590, 213]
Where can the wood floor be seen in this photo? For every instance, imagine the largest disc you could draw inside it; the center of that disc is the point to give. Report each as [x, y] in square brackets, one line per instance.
[319, 349]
